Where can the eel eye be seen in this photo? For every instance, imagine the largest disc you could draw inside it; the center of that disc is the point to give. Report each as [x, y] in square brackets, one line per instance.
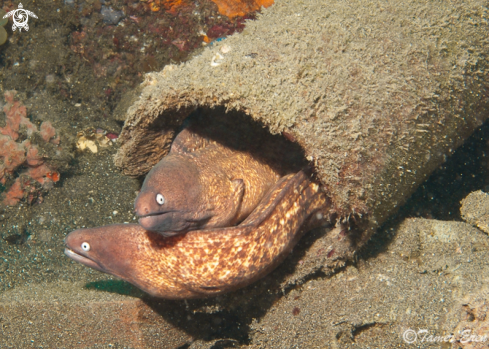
[160, 199]
[85, 246]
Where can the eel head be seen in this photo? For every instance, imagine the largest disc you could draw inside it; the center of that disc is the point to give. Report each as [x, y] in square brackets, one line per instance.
[94, 248]
[169, 197]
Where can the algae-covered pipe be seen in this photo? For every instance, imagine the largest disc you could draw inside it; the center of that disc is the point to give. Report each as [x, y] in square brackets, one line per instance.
[377, 93]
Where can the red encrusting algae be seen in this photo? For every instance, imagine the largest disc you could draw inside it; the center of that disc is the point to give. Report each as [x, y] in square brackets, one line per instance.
[19, 155]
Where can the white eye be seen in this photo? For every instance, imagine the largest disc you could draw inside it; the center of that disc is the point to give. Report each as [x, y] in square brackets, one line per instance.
[160, 199]
[85, 246]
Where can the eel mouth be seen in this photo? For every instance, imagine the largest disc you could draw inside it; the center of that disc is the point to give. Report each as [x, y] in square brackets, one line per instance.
[162, 222]
[149, 219]
[153, 214]
[83, 260]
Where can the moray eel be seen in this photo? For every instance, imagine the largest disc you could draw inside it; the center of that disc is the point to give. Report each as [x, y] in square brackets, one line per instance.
[201, 184]
[203, 263]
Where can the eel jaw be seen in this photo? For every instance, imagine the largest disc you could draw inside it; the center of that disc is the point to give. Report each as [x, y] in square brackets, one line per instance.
[83, 260]
[153, 214]
[148, 221]
[163, 223]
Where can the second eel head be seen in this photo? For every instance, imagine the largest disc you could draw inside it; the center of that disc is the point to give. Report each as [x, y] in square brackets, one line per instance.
[94, 248]
[169, 197]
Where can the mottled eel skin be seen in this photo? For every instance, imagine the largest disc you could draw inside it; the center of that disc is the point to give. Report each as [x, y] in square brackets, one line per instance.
[201, 184]
[205, 263]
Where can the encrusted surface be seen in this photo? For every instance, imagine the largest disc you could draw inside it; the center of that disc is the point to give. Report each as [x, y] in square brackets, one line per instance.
[424, 282]
[376, 92]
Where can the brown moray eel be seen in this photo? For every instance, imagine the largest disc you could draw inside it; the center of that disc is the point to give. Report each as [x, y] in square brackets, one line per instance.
[201, 184]
[204, 263]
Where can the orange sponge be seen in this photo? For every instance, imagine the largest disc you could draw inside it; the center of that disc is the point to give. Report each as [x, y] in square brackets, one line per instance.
[236, 8]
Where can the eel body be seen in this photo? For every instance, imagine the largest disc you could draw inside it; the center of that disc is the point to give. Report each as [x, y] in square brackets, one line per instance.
[201, 184]
[205, 263]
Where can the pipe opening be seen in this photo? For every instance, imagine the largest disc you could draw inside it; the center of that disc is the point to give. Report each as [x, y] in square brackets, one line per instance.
[234, 129]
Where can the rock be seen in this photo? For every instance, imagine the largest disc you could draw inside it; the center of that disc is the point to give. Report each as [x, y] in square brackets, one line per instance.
[472, 332]
[63, 316]
[475, 210]
[415, 281]
[111, 16]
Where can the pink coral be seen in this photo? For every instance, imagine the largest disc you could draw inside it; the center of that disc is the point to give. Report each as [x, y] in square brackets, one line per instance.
[14, 156]
[16, 116]
[39, 173]
[33, 157]
[14, 194]
[48, 133]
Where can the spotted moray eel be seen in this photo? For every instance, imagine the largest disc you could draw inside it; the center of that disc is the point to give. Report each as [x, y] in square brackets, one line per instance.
[201, 184]
[203, 263]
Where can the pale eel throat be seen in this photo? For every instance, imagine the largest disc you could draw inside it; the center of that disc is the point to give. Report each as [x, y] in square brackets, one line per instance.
[203, 263]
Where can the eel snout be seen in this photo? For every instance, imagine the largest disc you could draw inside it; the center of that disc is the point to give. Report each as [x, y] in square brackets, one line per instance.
[78, 249]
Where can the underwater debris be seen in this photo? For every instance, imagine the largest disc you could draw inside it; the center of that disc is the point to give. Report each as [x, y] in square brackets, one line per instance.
[19, 237]
[217, 59]
[91, 139]
[180, 44]
[111, 16]
[35, 155]
[225, 49]
[112, 136]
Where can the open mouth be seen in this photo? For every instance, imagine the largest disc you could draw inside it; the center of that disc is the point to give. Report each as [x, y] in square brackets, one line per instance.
[82, 259]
